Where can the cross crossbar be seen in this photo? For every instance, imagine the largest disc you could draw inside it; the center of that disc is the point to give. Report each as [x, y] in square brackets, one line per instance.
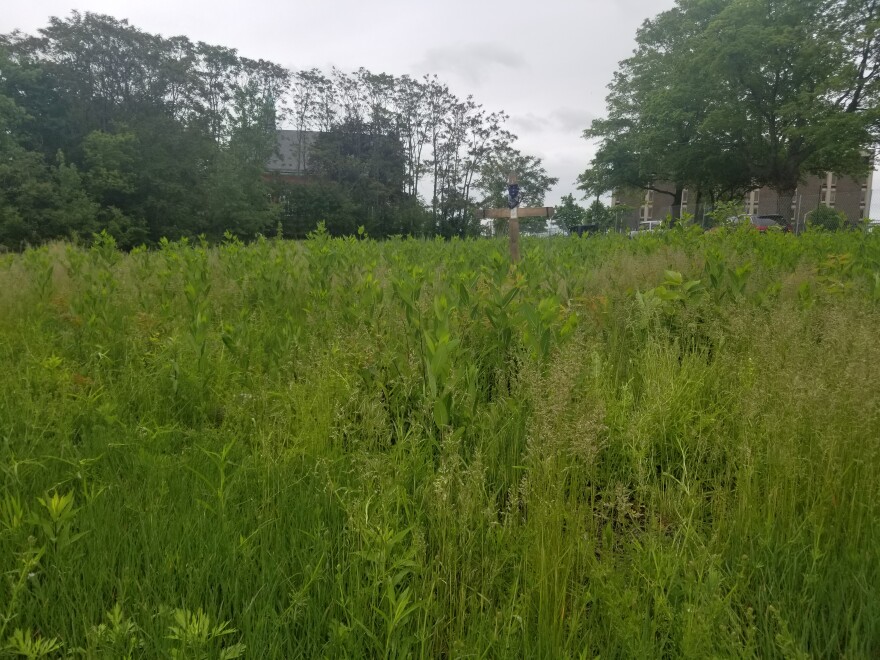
[513, 213]
[524, 212]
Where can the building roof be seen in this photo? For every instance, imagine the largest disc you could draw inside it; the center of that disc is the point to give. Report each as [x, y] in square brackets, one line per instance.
[292, 150]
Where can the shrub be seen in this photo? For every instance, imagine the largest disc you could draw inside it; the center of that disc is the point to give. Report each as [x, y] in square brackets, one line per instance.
[827, 218]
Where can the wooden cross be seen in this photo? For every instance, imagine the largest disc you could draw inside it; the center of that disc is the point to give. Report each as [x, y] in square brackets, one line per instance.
[514, 213]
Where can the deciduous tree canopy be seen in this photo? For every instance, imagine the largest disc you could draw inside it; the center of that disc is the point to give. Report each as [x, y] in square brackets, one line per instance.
[104, 126]
[726, 95]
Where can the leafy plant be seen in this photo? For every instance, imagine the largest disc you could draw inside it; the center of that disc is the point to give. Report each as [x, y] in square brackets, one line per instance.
[24, 644]
[57, 521]
[196, 637]
[118, 637]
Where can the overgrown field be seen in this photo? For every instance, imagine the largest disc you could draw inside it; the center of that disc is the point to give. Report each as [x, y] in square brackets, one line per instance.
[344, 448]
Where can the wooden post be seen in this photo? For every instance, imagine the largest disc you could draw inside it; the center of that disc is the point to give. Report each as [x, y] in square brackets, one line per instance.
[514, 236]
[513, 228]
[513, 213]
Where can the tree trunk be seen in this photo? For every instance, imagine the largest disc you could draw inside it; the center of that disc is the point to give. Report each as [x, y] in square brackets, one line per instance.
[784, 198]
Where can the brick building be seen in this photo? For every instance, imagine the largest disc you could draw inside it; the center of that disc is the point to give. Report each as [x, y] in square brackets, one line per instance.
[843, 193]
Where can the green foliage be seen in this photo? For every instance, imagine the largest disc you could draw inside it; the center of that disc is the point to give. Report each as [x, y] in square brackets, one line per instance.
[109, 160]
[23, 644]
[534, 183]
[723, 97]
[825, 217]
[362, 178]
[343, 447]
[116, 638]
[194, 635]
[56, 523]
[599, 214]
[160, 137]
[723, 211]
[569, 213]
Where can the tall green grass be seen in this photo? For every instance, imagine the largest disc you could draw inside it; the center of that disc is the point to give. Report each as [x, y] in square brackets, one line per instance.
[344, 448]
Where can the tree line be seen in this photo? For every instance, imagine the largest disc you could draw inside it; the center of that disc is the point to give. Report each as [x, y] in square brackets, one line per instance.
[105, 126]
[725, 96]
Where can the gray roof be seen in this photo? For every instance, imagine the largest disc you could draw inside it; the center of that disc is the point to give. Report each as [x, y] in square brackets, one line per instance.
[291, 155]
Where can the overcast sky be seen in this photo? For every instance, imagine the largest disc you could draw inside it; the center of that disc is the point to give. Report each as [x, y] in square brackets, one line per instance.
[545, 62]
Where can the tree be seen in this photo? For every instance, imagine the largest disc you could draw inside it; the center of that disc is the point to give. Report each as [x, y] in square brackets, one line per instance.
[310, 91]
[113, 127]
[412, 118]
[726, 95]
[369, 169]
[789, 78]
[618, 212]
[857, 24]
[659, 102]
[167, 138]
[443, 139]
[569, 213]
[534, 183]
[76, 214]
[600, 215]
[26, 190]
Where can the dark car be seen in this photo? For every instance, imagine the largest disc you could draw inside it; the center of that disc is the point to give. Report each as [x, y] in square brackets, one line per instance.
[767, 221]
[580, 230]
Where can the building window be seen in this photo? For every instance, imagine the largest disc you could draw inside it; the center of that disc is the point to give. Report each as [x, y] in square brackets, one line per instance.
[828, 191]
[752, 201]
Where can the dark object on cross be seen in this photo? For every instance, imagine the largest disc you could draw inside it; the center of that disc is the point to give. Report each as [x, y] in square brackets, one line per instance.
[513, 195]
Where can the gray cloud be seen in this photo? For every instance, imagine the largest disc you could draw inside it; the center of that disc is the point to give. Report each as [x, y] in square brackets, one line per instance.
[572, 120]
[569, 121]
[473, 62]
[529, 123]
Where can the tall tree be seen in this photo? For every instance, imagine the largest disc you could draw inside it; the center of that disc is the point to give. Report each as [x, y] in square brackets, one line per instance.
[788, 73]
[311, 91]
[726, 95]
[658, 107]
[569, 213]
[534, 182]
[412, 118]
[153, 136]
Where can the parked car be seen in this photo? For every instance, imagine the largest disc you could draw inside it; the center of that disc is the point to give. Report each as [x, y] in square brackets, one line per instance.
[580, 230]
[761, 222]
[873, 225]
[645, 227]
[765, 222]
